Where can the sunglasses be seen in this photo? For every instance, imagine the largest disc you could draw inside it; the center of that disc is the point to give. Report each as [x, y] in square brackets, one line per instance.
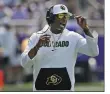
[62, 15]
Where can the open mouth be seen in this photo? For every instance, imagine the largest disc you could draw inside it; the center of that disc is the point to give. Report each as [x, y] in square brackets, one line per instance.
[62, 25]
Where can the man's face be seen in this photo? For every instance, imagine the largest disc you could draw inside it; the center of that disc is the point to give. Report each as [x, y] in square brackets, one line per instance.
[60, 22]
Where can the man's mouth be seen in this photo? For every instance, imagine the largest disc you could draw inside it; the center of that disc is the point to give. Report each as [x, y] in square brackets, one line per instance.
[62, 25]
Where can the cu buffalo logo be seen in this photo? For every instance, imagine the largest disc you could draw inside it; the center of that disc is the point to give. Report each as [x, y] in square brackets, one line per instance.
[62, 7]
[54, 79]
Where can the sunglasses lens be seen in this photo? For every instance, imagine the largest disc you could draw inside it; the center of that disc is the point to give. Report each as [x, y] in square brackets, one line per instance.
[60, 16]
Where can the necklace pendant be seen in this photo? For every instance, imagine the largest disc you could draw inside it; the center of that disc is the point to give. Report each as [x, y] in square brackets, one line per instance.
[55, 41]
[54, 49]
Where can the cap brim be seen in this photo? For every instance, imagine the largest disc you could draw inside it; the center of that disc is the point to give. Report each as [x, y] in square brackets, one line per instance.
[70, 14]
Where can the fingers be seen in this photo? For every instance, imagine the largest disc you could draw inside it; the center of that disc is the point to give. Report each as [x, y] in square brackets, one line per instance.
[44, 39]
[78, 20]
[81, 21]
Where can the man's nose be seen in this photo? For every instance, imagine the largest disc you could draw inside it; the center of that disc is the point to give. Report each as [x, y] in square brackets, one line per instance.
[64, 20]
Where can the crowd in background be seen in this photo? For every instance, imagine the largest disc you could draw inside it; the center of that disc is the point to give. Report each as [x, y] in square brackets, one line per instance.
[20, 18]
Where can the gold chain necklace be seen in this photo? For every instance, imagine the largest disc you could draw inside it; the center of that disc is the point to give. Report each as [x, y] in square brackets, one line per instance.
[54, 41]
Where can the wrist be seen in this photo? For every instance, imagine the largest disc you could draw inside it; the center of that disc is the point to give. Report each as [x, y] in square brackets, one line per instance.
[33, 52]
[86, 30]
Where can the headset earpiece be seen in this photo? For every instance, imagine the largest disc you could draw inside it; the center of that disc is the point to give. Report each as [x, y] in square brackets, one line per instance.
[50, 16]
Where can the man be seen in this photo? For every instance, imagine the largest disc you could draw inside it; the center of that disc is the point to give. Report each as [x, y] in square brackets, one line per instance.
[8, 45]
[53, 51]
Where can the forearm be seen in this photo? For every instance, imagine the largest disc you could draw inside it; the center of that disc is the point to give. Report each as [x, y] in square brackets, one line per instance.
[26, 62]
[33, 52]
[27, 57]
[90, 48]
[93, 45]
[88, 45]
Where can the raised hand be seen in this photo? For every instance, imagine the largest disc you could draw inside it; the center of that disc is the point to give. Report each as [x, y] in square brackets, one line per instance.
[82, 22]
[43, 39]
